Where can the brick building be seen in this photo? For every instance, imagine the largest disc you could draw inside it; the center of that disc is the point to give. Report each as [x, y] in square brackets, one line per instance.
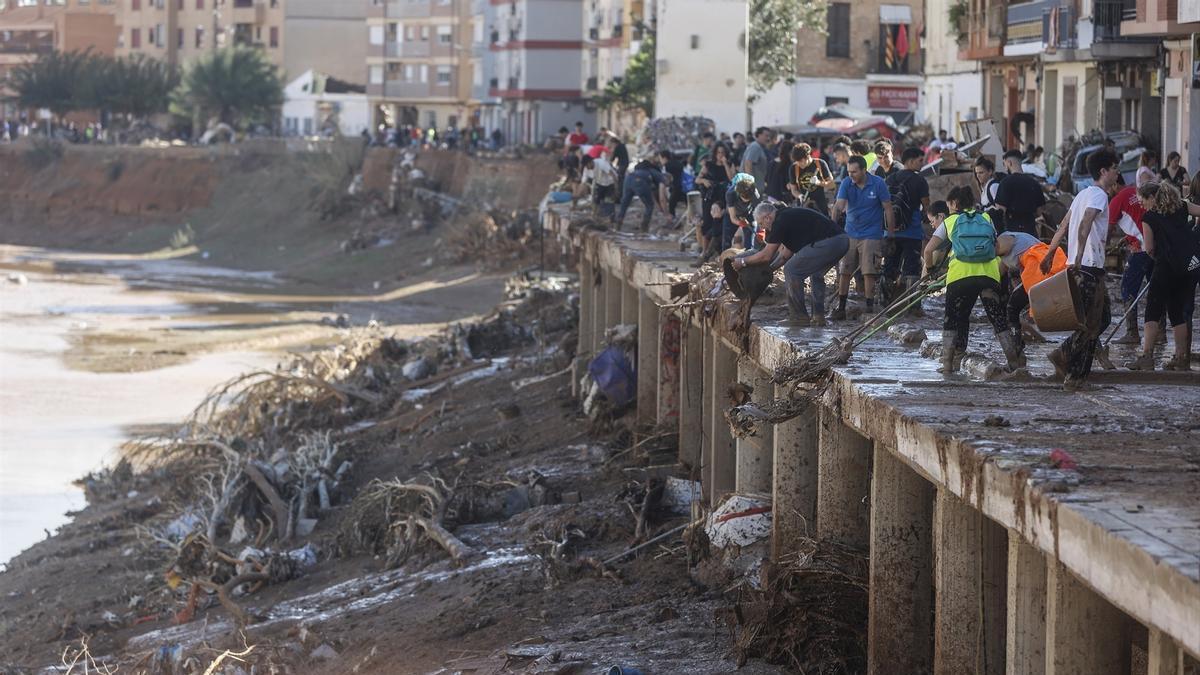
[29, 28]
[870, 58]
[178, 31]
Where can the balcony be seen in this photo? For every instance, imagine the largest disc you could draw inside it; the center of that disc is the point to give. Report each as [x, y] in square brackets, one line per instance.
[983, 33]
[593, 34]
[411, 49]
[888, 59]
[617, 30]
[400, 9]
[1115, 20]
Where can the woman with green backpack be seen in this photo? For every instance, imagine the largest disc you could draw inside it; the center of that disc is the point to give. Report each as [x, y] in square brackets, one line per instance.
[973, 273]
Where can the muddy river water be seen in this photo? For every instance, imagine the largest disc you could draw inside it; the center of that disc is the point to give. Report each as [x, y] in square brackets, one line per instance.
[59, 422]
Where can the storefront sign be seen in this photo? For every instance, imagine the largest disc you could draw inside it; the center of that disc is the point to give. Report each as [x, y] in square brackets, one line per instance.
[892, 98]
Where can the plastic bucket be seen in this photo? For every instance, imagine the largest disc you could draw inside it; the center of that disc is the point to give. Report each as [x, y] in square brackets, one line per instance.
[1054, 303]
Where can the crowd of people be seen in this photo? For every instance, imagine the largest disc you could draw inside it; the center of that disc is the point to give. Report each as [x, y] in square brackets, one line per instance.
[864, 208]
[451, 138]
[92, 132]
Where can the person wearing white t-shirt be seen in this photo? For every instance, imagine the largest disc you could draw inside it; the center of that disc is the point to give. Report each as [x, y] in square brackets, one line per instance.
[1086, 226]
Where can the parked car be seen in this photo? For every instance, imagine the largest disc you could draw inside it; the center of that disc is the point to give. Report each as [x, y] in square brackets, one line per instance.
[817, 137]
[1130, 149]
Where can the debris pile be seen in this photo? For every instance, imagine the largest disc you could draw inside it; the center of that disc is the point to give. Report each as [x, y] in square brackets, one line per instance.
[810, 615]
[677, 134]
[269, 454]
[493, 238]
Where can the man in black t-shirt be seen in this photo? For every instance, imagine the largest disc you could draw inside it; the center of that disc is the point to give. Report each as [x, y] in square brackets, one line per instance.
[806, 244]
[673, 167]
[1020, 196]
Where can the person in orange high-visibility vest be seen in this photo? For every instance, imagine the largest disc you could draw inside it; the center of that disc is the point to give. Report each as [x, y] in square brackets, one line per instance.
[1022, 253]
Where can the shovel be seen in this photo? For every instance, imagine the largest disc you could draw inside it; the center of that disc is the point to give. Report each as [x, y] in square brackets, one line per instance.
[1102, 350]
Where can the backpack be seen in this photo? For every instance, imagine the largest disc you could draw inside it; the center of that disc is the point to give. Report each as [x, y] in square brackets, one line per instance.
[973, 238]
[902, 203]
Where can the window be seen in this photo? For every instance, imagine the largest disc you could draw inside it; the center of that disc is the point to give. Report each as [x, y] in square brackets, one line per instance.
[476, 73]
[837, 42]
[160, 36]
[408, 33]
[199, 4]
[376, 35]
[410, 72]
[478, 31]
[393, 32]
[199, 37]
[135, 38]
[443, 74]
[375, 74]
[135, 5]
[424, 32]
[445, 34]
[274, 36]
[179, 38]
[424, 72]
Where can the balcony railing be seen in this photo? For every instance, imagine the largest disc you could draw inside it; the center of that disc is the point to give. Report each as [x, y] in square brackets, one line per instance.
[1065, 37]
[617, 30]
[1108, 15]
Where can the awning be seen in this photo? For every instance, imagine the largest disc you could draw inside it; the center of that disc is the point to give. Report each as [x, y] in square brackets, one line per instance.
[895, 14]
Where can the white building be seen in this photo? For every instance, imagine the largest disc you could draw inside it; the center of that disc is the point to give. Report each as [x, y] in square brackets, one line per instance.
[953, 90]
[538, 70]
[701, 61]
[315, 104]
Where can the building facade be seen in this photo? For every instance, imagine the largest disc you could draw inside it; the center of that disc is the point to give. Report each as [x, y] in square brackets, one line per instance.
[419, 62]
[178, 31]
[311, 27]
[701, 65]
[317, 104]
[29, 29]
[953, 87]
[870, 58]
[538, 48]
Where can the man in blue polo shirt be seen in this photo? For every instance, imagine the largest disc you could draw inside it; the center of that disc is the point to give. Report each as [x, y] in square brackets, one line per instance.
[865, 199]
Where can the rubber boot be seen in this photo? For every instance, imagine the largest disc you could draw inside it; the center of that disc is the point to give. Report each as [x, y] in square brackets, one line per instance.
[951, 357]
[1131, 336]
[1012, 353]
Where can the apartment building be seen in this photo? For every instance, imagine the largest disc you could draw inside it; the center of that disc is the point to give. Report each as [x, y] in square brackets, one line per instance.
[538, 69]
[420, 56]
[701, 64]
[612, 34]
[870, 57]
[328, 36]
[178, 31]
[1055, 69]
[30, 28]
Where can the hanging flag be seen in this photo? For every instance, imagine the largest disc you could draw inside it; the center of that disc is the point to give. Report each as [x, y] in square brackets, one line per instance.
[889, 49]
[902, 41]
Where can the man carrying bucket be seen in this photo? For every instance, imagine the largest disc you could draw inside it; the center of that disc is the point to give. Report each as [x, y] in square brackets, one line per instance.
[1086, 225]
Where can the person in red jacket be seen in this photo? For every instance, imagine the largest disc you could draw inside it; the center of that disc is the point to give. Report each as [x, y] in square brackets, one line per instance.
[1125, 210]
[577, 137]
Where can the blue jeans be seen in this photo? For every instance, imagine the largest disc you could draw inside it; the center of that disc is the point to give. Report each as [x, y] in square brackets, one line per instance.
[812, 263]
[1138, 268]
[730, 228]
[647, 202]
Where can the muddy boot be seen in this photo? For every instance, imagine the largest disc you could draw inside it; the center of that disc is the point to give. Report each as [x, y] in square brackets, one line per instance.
[1059, 361]
[1131, 336]
[951, 357]
[838, 315]
[1143, 362]
[1012, 353]
[1179, 362]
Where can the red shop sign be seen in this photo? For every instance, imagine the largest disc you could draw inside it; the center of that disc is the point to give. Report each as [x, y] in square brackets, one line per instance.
[892, 98]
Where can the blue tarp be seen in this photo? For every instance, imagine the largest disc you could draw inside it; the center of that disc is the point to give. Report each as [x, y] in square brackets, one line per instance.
[614, 375]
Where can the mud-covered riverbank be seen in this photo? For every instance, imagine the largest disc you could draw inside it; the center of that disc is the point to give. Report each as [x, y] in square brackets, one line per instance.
[539, 498]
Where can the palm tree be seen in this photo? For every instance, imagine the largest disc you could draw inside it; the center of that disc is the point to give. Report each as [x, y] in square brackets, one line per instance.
[139, 86]
[51, 81]
[237, 86]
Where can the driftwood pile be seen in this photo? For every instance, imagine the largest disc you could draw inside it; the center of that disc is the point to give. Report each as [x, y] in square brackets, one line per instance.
[810, 615]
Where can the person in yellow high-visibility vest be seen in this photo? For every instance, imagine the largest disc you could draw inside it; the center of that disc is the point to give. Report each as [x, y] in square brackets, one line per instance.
[973, 273]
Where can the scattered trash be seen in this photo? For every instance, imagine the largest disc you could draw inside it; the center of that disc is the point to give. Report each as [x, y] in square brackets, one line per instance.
[996, 421]
[739, 521]
[1061, 459]
[418, 369]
